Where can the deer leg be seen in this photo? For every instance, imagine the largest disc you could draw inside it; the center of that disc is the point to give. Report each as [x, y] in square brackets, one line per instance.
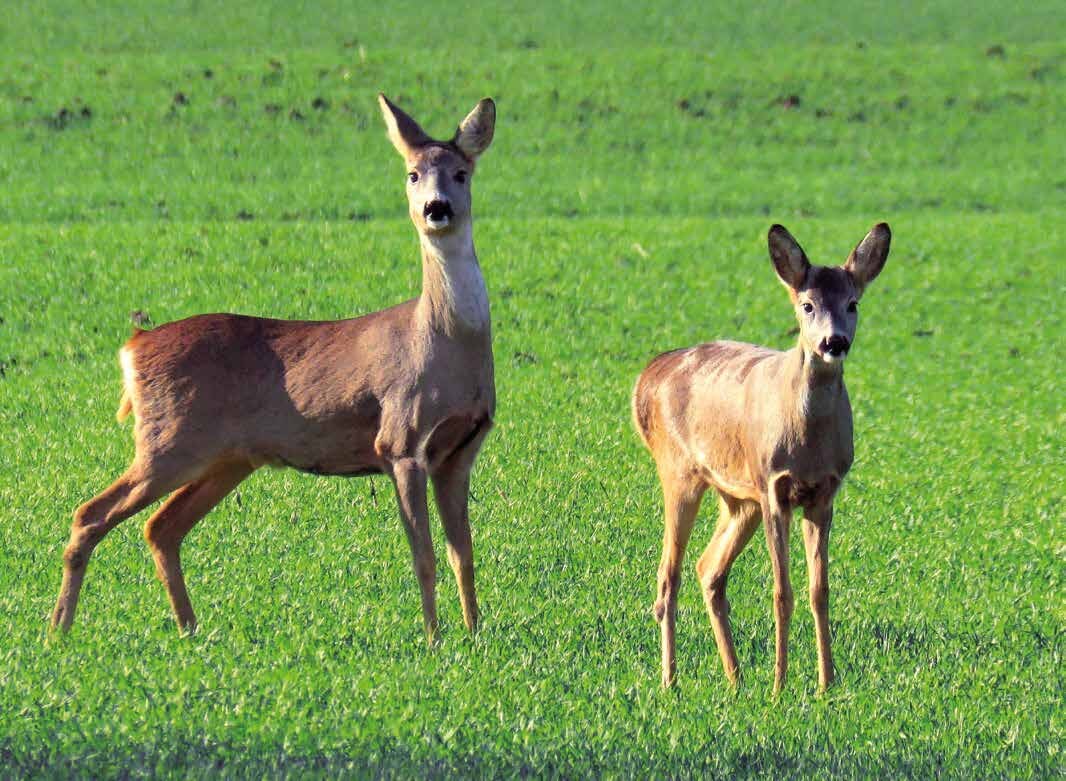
[737, 521]
[816, 524]
[166, 529]
[451, 487]
[682, 502]
[129, 494]
[410, 481]
[776, 517]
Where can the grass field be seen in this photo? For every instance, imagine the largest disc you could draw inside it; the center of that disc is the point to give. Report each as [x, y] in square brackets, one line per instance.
[209, 159]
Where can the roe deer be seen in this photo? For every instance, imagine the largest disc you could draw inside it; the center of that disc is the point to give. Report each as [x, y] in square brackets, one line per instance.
[407, 391]
[770, 431]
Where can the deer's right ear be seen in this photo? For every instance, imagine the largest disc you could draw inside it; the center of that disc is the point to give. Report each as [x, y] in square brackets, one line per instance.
[404, 132]
[790, 261]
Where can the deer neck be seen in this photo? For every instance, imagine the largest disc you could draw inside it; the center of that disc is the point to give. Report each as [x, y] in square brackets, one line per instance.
[454, 299]
[814, 387]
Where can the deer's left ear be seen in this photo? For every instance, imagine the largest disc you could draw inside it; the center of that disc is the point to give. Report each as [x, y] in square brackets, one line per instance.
[475, 132]
[867, 259]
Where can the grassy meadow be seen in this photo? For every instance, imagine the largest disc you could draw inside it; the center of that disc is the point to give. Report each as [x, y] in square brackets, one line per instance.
[209, 157]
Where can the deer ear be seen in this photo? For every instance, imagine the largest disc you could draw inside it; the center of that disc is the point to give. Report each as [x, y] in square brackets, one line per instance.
[475, 132]
[867, 259]
[404, 132]
[789, 259]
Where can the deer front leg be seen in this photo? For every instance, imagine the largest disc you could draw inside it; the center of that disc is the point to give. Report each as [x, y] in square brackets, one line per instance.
[410, 481]
[816, 524]
[777, 516]
[452, 490]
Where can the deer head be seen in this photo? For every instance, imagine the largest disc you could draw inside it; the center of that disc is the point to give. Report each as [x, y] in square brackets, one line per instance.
[439, 172]
[826, 298]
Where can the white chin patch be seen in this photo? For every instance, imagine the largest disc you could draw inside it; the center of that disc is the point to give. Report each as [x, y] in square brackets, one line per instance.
[831, 359]
[441, 222]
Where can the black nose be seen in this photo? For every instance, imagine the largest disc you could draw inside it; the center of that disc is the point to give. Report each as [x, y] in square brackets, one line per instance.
[437, 210]
[835, 345]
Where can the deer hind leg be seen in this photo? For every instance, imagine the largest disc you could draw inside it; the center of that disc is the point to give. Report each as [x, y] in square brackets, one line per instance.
[129, 494]
[166, 529]
[816, 523]
[451, 487]
[737, 521]
[410, 481]
[682, 502]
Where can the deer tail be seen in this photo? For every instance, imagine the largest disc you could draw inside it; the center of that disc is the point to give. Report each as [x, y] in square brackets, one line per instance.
[125, 406]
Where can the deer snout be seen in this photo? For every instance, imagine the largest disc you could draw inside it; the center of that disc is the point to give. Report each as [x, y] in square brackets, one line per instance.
[438, 211]
[835, 346]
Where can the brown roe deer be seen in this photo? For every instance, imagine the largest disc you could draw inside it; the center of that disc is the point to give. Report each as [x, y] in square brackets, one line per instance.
[407, 391]
[771, 432]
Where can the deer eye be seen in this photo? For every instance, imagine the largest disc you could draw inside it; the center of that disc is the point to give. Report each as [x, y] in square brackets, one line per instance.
[853, 306]
[412, 177]
[808, 307]
[460, 176]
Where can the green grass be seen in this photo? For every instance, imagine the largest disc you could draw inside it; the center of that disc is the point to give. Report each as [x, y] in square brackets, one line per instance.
[622, 211]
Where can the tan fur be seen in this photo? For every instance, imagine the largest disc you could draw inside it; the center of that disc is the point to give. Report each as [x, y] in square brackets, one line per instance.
[769, 431]
[407, 392]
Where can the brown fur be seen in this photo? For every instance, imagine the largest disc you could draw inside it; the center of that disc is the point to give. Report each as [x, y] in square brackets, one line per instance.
[769, 431]
[407, 391]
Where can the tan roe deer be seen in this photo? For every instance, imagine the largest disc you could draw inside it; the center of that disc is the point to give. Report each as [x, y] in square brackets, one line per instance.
[407, 391]
[771, 432]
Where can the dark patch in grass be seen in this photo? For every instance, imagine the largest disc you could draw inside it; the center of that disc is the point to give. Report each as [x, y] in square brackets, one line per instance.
[181, 99]
[858, 116]
[589, 107]
[528, 43]
[923, 332]
[996, 50]
[141, 319]
[276, 65]
[244, 215]
[693, 111]
[1041, 73]
[208, 73]
[66, 117]
[227, 100]
[358, 216]
[790, 102]
[320, 104]
[296, 116]
[822, 113]
[272, 108]
[1014, 352]
[903, 103]
[522, 358]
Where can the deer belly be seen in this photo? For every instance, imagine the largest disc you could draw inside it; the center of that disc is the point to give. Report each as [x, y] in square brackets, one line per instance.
[340, 450]
[737, 486]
